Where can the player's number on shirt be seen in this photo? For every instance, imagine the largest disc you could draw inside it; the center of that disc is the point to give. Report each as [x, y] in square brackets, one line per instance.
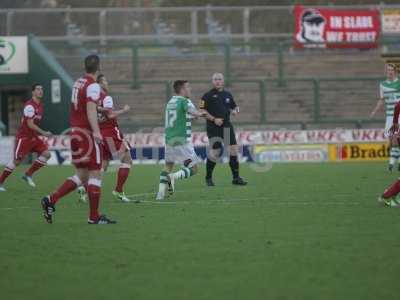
[170, 118]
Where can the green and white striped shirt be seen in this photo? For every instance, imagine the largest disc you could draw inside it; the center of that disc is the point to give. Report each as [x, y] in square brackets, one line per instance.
[390, 93]
[178, 124]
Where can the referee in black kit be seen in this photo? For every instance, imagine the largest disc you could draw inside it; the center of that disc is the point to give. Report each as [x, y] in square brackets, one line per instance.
[218, 105]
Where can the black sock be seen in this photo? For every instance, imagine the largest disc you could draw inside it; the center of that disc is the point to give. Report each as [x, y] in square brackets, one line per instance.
[234, 164]
[210, 168]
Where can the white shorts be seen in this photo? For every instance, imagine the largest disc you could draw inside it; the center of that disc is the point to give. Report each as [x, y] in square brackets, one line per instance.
[388, 125]
[180, 154]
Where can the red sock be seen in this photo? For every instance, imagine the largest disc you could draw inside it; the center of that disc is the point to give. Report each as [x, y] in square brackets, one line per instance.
[37, 164]
[123, 174]
[67, 187]
[7, 172]
[392, 190]
[94, 192]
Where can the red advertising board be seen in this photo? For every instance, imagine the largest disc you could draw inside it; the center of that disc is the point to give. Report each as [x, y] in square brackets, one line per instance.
[336, 28]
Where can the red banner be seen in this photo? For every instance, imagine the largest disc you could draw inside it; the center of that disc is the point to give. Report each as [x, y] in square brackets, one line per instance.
[336, 28]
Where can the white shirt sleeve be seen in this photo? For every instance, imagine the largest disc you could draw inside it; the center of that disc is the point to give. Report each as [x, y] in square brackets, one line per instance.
[29, 111]
[191, 108]
[108, 102]
[93, 91]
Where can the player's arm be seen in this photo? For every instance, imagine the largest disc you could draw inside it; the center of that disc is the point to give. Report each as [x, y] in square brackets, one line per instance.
[108, 108]
[378, 106]
[193, 111]
[29, 113]
[207, 115]
[234, 107]
[112, 114]
[36, 128]
[93, 95]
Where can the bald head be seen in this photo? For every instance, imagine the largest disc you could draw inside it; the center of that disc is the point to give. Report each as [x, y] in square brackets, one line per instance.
[218, 81]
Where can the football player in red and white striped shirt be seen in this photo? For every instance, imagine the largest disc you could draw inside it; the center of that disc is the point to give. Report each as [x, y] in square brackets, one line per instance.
[28, 139]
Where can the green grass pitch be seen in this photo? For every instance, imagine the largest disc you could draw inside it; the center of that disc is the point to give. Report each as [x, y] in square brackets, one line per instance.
[299, 231]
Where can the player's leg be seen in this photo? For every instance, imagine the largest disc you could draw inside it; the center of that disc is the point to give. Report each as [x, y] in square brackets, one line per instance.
[164, 179]
[94, 187]
[210, 165]
[123, 174]
[394, 153]
[21, 148]
[8, 170]
[233, 156]
[189, 161]
[214, 153]
[394, 150]
[188, 169]
[43, 156]
[82, 190]
[388, 197]
[234, 165]
[68, 186]
[94, 193]
[106, 157]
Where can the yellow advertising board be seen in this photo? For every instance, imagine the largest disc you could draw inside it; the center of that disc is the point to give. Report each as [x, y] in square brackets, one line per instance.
[359, 152]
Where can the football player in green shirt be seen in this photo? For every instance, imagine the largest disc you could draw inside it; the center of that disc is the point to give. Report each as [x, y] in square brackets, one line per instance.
[389, 91]
[179, 113]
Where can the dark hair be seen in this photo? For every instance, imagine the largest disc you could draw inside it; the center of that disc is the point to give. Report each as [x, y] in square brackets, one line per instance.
[35, 85]
[92, 63]
[99, 77]
[178, 85]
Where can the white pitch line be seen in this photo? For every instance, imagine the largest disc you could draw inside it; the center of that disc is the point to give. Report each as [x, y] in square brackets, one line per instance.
[19, 207]
[182, 191]
[226, 201]
[230, 201]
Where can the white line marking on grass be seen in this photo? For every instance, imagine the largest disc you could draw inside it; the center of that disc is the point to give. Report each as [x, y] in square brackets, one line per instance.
[19, 207]
[272, 202]
[185, 191]
[230, 201]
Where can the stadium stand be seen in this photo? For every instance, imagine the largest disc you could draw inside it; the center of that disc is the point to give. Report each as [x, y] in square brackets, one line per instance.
[274, 83]
[294, 101]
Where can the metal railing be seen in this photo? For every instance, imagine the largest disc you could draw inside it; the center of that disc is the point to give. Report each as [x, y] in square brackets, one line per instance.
[184, 23]
[318, 113]
[278, 52]
[138, 66]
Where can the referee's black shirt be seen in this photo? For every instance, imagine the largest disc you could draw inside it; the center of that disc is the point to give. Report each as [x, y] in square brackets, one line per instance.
[219, 104]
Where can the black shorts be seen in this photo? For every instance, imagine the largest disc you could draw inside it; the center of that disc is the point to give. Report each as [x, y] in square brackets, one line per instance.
[217, 133]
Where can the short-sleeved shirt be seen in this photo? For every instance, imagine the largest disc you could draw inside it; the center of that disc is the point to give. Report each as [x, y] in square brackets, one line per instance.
[107, 102]
[219, 104]
[84, 90]
[178, 124]
[390, 92]
[32, 111]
